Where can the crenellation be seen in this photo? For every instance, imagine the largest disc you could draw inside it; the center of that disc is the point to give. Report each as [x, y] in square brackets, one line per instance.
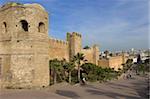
[58, 49]
[76, 34]
[58, 41]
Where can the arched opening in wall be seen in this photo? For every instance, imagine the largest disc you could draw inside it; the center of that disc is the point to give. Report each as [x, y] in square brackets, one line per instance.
[41, 27]
[24, 24]
[0, 67]
[4, 27]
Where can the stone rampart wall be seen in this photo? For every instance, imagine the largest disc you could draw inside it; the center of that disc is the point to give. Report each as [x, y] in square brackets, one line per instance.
[58, 49]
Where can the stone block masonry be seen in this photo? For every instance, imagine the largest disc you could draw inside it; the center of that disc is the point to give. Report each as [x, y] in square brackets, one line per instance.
[24, 46]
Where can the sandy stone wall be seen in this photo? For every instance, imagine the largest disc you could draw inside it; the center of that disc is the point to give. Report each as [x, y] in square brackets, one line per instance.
[75, 43]
[103, 63]
[116, 62]
[91, 54]
[88, 53]
[112, 62]
[24, 46]
[58, 49]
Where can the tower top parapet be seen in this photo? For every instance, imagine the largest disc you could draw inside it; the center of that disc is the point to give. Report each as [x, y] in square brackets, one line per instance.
[76, 34]
[73, 34]
[15, 4]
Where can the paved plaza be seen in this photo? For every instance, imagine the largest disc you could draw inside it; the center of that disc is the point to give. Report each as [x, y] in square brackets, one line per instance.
[135, 88]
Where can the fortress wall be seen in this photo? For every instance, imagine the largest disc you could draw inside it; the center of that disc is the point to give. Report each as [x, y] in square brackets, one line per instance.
[91, 54]
[88, 53]
[113, 62]
[116, 62]
[103, 63]
[58, 49]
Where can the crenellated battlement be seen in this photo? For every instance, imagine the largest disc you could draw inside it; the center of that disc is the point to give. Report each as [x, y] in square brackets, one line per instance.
[58, 49]
[58, 41]
[11, 4]
[73, 34]
[19, 5]
[76, 34]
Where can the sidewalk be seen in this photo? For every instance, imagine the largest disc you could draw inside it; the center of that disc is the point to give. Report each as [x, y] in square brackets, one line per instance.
[119, 89]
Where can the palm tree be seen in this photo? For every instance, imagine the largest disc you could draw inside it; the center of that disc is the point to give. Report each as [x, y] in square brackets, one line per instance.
[78, 58]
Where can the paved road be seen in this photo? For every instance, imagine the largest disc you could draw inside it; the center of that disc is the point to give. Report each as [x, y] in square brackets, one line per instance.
[121, 89]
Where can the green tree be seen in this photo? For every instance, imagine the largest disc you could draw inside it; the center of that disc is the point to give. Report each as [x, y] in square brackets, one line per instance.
[86, 47]
[90, 70]
[69, 66]
[97, 73]
[127, 65]
[141, 68]
[78, 58]
[56, 66]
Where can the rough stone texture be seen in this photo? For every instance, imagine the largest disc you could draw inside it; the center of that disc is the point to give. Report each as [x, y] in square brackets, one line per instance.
[58, 49]
[91, 54]
[75, 43]
[24, 46]
[112, 62]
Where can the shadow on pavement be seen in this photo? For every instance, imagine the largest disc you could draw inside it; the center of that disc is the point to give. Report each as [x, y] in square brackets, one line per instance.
[142, 90]
[89, 86]
[140, 86]
[67, 93]
[111, 94]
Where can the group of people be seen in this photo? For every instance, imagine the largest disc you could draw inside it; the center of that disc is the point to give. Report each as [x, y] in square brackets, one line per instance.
[127, 75]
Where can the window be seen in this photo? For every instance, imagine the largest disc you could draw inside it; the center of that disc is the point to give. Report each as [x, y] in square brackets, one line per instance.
[41, 27]
[4, 26]
[24, 24]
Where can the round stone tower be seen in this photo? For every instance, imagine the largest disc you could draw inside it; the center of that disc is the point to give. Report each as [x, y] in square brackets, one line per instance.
[24, 45]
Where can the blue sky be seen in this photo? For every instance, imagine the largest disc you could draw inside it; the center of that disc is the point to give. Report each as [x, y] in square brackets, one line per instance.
[111, 24]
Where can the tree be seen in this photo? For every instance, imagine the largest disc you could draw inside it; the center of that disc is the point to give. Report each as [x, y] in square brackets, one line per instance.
[129, 61]
[147, 61]
[69, 66]
[56, 66]
[78, 58]
[97, 73]
[139, 61]
[86, 47]
[100, 73]
[90, 71]
[141, 68]
[127, 65]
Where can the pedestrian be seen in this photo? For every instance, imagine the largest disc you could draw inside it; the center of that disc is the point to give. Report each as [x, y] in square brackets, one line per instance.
[83, 81]
[130, 75]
